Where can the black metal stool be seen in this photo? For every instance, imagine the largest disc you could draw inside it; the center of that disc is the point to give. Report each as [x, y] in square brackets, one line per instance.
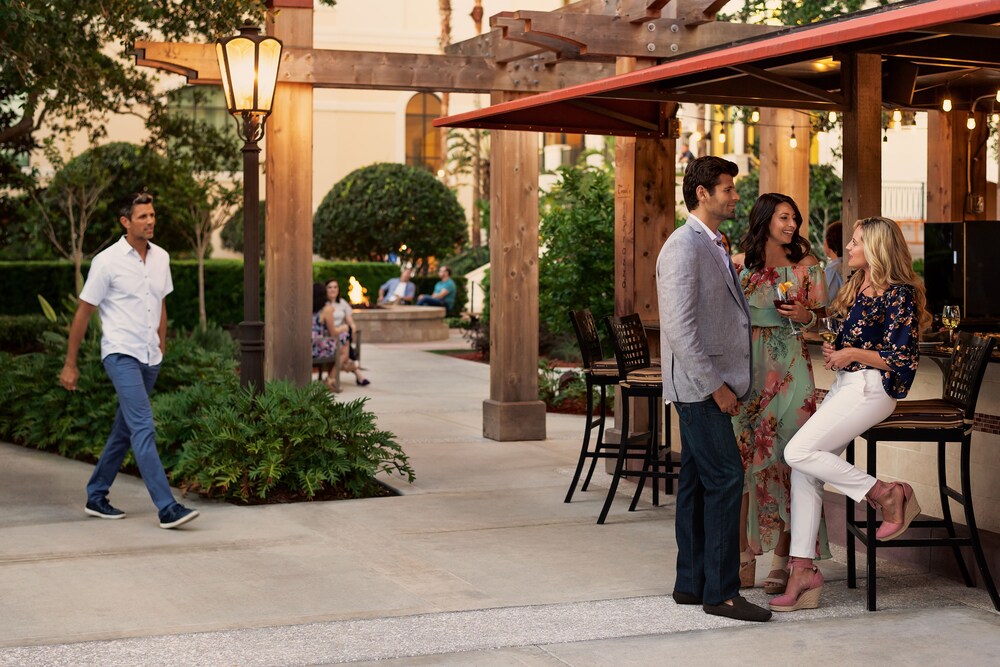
[638, 380]
[944, 420]
[600, 373]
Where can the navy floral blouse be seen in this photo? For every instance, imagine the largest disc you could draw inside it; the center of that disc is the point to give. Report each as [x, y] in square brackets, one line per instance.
[888, 324]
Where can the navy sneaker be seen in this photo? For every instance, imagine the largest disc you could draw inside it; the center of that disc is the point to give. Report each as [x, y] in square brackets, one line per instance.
[102, 509]
[176, 515]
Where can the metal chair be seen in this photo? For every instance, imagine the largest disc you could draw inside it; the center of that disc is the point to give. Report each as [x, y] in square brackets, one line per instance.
[597, 372]
[639, 379]
[944, 420]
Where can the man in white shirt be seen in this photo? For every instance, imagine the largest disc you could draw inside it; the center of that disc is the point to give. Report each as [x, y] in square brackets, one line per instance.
[127, 284]
[398, 290]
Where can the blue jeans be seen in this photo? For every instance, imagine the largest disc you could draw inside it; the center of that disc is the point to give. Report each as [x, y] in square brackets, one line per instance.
[709, 492]
[431, 301]
[133, 427]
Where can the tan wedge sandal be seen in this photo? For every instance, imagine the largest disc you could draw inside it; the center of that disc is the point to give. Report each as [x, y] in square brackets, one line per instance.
[748, 569]
[777, 578]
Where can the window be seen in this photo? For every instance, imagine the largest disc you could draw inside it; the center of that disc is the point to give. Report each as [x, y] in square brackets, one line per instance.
[570, 148]
[206, 104]
[423, 140]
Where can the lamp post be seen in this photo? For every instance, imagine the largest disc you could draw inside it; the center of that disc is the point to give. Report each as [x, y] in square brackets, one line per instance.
[249, 66]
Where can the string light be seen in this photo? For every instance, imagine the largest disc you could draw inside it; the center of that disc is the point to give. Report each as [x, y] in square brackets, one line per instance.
[998, 95]
[897, 116]
[832, 117]
[722, 134]
[792, 143]
[755, 116]
[695, 136]
[971, 123]
[946, 105]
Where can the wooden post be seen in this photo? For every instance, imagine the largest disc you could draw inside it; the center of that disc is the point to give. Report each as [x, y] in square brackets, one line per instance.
[862, 73]
[288, 229]
[956, 179]
[513, 411]
[782, 168]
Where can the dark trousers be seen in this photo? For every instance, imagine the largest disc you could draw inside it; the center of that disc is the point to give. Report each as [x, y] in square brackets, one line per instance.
[708, 504]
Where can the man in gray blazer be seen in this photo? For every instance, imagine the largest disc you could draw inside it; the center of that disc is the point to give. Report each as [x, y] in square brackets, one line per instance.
[705, 347]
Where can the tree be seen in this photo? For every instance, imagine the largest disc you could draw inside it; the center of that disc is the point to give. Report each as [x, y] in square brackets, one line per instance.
[389, 208]
[469, 155]
[577, 233]
[66, 68]
[204, 152]
[69, 206]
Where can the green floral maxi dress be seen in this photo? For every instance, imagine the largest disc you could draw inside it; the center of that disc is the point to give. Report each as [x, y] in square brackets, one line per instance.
[782, 398]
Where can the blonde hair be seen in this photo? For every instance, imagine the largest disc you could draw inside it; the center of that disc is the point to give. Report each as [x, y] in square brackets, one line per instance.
[889, 263]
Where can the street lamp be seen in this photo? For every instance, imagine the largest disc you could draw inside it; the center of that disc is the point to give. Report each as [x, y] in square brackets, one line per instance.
[249, 66]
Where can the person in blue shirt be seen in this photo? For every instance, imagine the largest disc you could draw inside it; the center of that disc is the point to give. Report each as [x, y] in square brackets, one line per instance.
[833, 244]
[397, 290]
[444, 291]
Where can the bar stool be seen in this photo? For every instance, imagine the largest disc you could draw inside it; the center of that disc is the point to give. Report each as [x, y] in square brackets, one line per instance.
[944, 420]
[597, 372]
[638, 380]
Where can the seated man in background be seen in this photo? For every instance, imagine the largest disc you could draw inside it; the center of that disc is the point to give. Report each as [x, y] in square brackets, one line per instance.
[397, 290]
[444, 291]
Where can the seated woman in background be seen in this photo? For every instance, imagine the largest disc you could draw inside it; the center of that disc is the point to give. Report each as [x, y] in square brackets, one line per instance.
[325, 334]
[343, 315]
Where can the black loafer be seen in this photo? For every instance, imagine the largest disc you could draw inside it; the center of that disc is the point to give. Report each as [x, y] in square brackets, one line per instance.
[740, 610]
[681, 597]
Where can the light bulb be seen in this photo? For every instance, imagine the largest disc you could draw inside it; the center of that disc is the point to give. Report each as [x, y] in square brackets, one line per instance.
[971, 123]
[998, 96]
[755, 116]
[946, 105]
[897, 116]
[722, 136]
[833, 117]
[996, 118]
[696, 136]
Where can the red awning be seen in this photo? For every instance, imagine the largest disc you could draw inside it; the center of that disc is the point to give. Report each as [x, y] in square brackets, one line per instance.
[927, 47]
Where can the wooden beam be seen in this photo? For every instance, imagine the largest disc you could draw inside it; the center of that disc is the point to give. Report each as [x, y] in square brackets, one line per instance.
[611, 37]
[963, 30]
[862, 143]
[288, 241]
[791, 84]
[632, 120]
[696, 12]
[328, 68]
[638, 11]
[513, 411]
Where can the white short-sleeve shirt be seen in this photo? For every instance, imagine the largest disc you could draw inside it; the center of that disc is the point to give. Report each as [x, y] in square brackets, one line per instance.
[129, 295]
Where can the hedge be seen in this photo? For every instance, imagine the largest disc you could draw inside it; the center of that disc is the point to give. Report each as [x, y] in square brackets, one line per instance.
[24, 281]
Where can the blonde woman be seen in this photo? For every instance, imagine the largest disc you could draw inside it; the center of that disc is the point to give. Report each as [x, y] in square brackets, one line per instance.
[875, 358]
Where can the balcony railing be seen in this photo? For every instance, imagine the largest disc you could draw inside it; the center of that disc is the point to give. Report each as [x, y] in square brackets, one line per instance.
[904, 200]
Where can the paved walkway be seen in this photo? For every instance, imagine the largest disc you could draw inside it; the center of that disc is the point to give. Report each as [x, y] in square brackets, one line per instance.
[478, 562]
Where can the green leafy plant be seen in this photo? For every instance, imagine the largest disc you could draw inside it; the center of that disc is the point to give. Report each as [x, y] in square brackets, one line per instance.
[288, 439]
[556, 386]
[576, 269]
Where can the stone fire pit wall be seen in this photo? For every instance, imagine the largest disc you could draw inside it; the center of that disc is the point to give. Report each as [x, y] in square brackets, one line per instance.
[401, 324]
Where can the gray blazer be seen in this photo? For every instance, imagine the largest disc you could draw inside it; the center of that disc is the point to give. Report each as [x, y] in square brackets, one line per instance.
[704, 318]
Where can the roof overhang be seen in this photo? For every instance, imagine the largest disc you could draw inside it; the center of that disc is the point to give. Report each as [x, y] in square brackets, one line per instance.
[928, 47]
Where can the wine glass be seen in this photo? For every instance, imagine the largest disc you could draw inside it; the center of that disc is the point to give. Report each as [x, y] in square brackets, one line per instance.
[829, 328]
[785, 294]
[951, 317]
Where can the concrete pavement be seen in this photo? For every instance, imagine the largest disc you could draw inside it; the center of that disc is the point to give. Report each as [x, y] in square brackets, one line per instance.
[478, 562]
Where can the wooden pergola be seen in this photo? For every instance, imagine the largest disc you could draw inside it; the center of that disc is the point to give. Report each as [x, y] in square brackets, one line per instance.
[551, 71]
[907, 56]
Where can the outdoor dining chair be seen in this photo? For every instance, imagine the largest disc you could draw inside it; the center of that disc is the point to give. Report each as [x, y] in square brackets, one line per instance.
[638, 379]
[945, 420]
[599, 373]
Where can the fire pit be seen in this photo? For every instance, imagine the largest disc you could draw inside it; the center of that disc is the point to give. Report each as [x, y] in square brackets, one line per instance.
[395, 324]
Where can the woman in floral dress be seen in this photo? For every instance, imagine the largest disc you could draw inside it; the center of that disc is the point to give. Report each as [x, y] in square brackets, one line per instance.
[783, 395]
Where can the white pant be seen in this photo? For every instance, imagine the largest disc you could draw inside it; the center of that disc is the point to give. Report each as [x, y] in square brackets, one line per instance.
[856, 402]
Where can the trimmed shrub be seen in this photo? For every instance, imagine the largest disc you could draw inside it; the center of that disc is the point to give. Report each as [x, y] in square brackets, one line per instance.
[381, 209]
